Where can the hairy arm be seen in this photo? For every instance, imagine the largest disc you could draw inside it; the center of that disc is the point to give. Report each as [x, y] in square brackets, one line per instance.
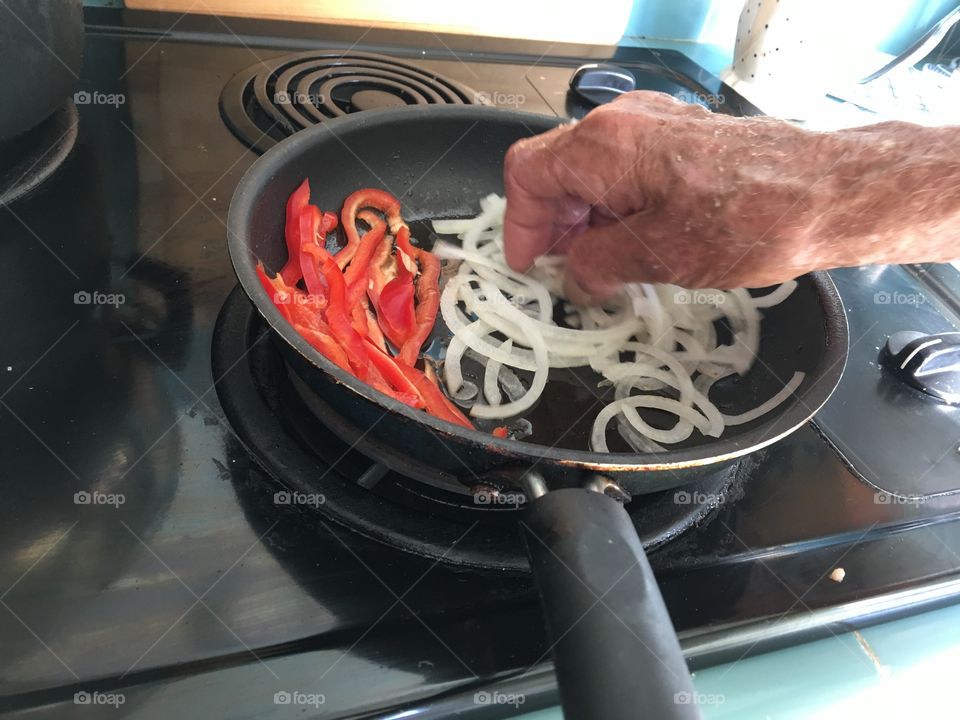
[651, 189]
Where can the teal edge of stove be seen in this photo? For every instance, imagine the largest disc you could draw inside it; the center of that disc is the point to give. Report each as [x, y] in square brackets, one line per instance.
[904, 668]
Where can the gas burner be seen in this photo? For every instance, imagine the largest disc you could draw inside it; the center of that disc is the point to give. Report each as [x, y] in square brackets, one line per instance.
[300, 454]
[30, 158]
[272, 100]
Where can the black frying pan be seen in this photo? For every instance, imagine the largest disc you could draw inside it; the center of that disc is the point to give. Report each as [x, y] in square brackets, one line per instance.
[615, 649]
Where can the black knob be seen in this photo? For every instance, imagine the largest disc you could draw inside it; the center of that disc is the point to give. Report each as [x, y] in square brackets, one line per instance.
[599, 83]
[930, 363]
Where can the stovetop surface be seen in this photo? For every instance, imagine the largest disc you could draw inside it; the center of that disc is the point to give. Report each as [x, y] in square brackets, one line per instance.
[182, 564]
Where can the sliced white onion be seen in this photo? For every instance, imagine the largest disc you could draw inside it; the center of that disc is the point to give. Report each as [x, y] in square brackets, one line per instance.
[649, 339]
[536, 387]
[452, 372]
[453, 227]
[512, 387]
[466, 396]
[777, 296]
[491, 376]
[635, 440]
[781, 397]
[687, 416]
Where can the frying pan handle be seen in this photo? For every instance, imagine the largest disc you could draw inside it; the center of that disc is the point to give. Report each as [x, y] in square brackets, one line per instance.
[615, 650]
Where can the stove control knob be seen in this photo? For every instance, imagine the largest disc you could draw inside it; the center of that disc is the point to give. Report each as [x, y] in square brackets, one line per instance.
[930, 363]
[599, 83]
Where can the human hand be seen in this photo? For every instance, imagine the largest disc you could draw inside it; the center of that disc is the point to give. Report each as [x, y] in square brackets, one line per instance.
[651, 189]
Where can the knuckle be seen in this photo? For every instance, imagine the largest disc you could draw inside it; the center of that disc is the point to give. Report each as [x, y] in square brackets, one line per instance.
[601, 118]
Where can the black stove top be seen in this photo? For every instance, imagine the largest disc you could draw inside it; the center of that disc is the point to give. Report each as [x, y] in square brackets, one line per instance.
[145, 552]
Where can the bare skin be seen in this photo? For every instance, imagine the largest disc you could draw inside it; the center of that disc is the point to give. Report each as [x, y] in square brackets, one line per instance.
[650, 189]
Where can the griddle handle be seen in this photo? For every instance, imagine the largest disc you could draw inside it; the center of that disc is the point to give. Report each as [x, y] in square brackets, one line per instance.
[619, 657]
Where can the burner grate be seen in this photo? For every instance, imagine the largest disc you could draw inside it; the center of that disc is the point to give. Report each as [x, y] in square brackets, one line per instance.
[270, 101]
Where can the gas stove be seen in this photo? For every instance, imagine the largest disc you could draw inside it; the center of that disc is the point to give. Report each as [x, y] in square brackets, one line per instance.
[149, 432]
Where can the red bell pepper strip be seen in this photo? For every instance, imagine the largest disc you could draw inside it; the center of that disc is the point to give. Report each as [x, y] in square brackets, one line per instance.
[326, 344]
[310, 220]
[337, 314]
[436, 402]
[357, 275]
[383, 269]
[306, 316]
[380, 371]
[395, 308]
[501, 432]
[329, 223]
[314, 227]
[430, 372]
[297, 307]
[366, 198]
[394, 376]
[374, 333]
[369, 217]
[309, 312]
[428, 296]
[295, 204]
[358, 271]
[358, 318]
[275, 288]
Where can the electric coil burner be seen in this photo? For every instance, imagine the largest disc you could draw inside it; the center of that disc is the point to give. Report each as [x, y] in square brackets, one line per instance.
[297, 448]
[272, 100]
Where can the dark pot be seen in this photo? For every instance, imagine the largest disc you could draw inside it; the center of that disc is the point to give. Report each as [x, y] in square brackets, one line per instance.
[41, 49]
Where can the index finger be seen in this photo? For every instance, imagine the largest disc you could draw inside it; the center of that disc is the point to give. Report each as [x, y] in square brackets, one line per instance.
[535, 199]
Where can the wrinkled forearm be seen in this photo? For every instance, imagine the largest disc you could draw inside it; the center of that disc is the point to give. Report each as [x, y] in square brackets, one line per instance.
[649, 189]
[890, 193]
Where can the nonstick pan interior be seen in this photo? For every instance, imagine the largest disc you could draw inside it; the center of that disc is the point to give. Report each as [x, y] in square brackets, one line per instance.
[440, 161]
